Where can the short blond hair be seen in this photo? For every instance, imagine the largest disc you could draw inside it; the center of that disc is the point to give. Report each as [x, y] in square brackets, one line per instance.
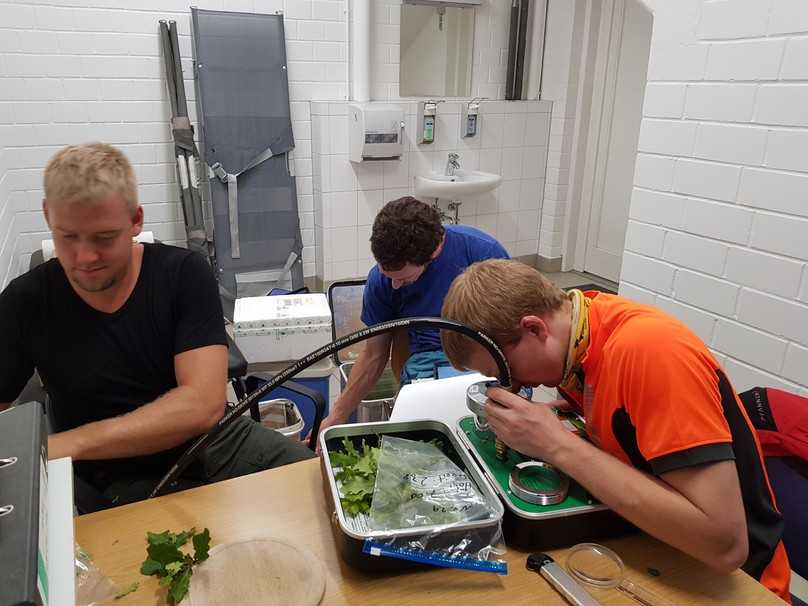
[493, 296]
[88, 173]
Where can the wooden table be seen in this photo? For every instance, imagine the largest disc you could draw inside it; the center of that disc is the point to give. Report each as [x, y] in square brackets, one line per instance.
[289, 502]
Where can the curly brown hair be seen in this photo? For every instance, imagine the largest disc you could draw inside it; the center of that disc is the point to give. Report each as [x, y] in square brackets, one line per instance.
[405, 231]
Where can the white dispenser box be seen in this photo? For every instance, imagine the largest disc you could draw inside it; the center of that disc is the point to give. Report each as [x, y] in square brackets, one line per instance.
[281, 328]
[375, 131]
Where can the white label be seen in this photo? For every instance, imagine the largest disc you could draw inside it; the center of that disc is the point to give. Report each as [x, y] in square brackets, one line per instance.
[182, 170]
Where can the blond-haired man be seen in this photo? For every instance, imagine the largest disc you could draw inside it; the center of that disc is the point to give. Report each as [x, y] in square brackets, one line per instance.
[672, 449]
[127, 338]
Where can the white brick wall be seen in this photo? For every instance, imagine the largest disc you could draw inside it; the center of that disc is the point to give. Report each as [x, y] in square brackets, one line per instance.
[74, 71]
[722, 183]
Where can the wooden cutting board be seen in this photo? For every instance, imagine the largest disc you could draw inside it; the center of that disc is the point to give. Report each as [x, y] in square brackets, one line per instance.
[267, 571]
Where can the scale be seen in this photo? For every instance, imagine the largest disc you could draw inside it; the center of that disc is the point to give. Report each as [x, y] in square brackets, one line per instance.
[543, 507]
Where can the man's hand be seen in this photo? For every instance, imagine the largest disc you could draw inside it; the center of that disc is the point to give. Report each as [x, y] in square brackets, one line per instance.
[529, 427]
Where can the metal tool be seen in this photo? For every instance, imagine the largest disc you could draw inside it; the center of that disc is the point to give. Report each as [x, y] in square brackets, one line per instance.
[560, 580]
[539, 483]
[600, 567]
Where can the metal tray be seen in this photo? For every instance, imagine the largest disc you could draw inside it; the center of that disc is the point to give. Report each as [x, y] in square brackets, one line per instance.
[579, 518]
[350, 541]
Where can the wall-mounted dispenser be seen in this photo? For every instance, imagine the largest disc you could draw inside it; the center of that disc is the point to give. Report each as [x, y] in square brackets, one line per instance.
[470, 118]
[426, 121]
[375, 131]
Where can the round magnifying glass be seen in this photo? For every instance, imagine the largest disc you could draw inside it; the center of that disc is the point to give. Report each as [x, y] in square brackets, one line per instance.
[601, 568]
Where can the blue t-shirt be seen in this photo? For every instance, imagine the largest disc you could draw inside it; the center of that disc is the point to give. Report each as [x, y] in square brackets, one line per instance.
[462, 246]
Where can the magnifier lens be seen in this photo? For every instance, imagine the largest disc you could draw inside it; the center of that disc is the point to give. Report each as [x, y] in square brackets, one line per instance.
[595, 565]
[540, 478]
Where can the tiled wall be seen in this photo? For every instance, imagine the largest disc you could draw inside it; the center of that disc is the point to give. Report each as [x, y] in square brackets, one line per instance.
[72, 72]
[512, 142]
[492, 23]
[718, 229]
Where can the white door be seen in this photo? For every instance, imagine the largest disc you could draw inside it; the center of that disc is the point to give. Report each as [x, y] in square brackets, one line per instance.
[626, 33]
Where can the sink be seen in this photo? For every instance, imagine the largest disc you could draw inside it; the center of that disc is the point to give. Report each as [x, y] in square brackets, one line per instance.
[463, 183]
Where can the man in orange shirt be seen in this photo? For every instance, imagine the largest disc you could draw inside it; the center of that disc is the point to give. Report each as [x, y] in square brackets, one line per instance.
[672, 449]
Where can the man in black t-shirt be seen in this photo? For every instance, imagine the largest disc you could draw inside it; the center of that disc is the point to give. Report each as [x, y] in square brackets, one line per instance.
[127, 338]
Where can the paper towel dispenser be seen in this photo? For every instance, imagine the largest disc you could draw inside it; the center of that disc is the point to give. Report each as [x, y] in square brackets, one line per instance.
[375, 131]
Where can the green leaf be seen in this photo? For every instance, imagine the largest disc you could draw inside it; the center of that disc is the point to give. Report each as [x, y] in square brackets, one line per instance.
[150, 567]
[174, 567]
[160, 538]
[181, 538]
[132, 588]
[164, 553]
[201, 542]
[179, 588]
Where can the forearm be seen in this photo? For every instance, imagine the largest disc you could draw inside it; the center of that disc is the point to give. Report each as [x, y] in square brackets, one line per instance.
[363, 378]
[165, 423]
[650, 504]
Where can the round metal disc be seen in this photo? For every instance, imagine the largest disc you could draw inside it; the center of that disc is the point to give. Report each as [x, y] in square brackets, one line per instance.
[538, 483]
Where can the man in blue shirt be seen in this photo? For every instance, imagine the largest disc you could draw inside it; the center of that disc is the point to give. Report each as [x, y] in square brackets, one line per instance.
[417, 260]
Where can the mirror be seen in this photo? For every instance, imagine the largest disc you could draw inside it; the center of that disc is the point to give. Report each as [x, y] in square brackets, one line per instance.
[437, 51]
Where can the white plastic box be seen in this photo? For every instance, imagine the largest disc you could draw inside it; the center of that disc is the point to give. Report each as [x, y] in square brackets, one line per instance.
[281, 328]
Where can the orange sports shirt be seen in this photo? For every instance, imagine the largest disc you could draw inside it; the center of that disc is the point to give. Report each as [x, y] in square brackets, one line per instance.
[656, 399]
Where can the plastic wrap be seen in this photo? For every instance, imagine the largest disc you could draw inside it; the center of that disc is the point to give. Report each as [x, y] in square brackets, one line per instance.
[92, 586]
[418, 486]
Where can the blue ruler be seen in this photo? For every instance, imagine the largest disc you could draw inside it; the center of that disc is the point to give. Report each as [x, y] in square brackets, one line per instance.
[375, 548]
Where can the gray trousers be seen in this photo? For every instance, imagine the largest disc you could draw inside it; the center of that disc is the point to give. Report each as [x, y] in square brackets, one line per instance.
[242, 448]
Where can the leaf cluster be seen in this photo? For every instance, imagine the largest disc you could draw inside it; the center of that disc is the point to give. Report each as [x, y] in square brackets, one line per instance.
[173, 566]
[357, 474]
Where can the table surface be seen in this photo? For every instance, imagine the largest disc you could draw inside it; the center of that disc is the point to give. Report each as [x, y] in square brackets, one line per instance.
[290, 503]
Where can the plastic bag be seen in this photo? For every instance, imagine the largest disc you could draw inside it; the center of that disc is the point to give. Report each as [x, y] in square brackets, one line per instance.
[417, 486]
[92, 586]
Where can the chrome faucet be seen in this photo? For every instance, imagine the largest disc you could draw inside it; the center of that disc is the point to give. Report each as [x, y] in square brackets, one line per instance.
[452, 164]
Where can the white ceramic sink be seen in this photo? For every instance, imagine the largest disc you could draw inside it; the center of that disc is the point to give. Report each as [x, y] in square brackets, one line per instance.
[463, 183]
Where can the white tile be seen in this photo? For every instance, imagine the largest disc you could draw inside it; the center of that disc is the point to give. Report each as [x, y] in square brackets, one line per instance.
[779, 234]
[745, 60]
[718, 221]
[534, 161]
[396, 173]
[509, 195]
[647, 273]
[795, 367]
[657, 208]
[537, 129]
[743, 376]
[750, 345]
[722, 102]
[785, 104]
[447, 131]
[653, 172]
[493, 131]
[368, 203]
[664, 100]
[514, 130]
[344, 270]
[794, 67]
[527, 247]
[701, 254]
[491, 160]
[671, 137]
[777, 316]
[729, 143]
[338, 134]
[711, 294]
[787, 149]
[506, 227]
[530, 194]
[343, 244]
[788, 16]
[488, 223]
[487, 202]
[700, 322]
[340, 208]
[765, 272]
[635, 293]
[706, 179]
[778, 191]
[369, 175]
[341, 173]
[728, 19]
[644, 239]
[511, 163]
[527, 225]
[677, 62]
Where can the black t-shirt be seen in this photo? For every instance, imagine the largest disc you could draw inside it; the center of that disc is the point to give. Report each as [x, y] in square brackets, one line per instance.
[96, 365]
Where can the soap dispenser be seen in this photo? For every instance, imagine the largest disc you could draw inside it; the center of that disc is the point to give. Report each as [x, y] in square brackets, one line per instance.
[426, 121]
[469, 120]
